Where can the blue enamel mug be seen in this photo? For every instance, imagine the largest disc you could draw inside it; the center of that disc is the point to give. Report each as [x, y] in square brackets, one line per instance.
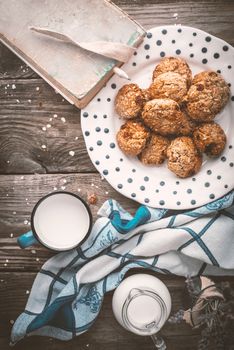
[59, 221]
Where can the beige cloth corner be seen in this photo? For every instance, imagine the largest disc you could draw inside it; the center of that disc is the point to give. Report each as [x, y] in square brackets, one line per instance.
[208, 291]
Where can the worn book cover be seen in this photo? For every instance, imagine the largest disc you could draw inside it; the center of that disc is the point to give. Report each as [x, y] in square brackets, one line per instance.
[76, 73]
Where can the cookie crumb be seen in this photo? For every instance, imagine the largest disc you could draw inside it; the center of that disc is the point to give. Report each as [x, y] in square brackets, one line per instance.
[92, 198]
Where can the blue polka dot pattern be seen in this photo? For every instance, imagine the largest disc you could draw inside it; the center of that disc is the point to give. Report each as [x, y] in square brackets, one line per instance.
[97, 126]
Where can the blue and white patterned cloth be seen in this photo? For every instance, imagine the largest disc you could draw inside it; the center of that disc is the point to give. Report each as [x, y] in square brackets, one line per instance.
[67, 293]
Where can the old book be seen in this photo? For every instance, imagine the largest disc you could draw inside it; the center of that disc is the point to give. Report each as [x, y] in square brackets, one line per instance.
[74, 72]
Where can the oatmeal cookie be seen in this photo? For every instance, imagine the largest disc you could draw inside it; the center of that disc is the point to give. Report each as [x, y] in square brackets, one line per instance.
[164, 116]
[207, 96]
[210, 139]
[129, 101]
[183, 158]
[169, 85]
[174, 64]
[132, 137]
[155, 151]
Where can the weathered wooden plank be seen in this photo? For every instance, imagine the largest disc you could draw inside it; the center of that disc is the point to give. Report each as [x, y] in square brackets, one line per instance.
[14, 288]
[18, 195]
[12, 67]
[30, 119]
[106, 332]
[213, 16]
[87, 342]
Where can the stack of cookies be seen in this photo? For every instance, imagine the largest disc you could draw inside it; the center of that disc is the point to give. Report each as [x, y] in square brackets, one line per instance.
[173, 118]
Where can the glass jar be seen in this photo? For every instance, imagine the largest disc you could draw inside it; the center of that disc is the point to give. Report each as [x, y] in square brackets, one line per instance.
[142, 304]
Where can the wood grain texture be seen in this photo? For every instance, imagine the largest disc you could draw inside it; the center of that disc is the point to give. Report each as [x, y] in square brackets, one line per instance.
[103, 330]
[106, 333]
[18, 195]
[24, 111]
[26, 107]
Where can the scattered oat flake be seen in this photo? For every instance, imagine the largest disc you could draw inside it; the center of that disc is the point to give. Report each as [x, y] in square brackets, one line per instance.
[63, 120]
[175, 15]
[63, 188]
[27, 292]
[106, 192]
[13, 86]
[71, 153]
[18, 101]
[11, 235]
[55, 188]
[43, 146]
[12, 321]
[92, 198]
[29, 101]
[25, 222]
[37, 88]
[7, 194]
[14, 212]
[7, 260]
[92, 185]
[8, 161]
[33, 251]
[37, 259]
[5, 264]
[64, 180]
[50, 119]
[79, 189]
[44, 128]
[21, 177]
[48, 125]
[76, 138]
[55, 115]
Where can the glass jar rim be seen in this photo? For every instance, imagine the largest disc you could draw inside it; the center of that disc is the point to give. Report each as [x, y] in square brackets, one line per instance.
[152, 327]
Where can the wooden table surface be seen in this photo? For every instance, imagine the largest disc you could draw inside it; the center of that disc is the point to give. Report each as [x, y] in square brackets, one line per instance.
[27, 172]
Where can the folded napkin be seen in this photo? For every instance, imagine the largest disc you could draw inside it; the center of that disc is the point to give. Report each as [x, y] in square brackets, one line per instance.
[67, 293]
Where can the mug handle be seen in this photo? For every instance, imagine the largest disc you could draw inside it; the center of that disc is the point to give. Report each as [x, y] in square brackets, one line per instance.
[27, 239]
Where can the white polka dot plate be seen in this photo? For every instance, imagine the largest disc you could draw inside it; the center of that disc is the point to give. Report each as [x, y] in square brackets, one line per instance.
[157, 186]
